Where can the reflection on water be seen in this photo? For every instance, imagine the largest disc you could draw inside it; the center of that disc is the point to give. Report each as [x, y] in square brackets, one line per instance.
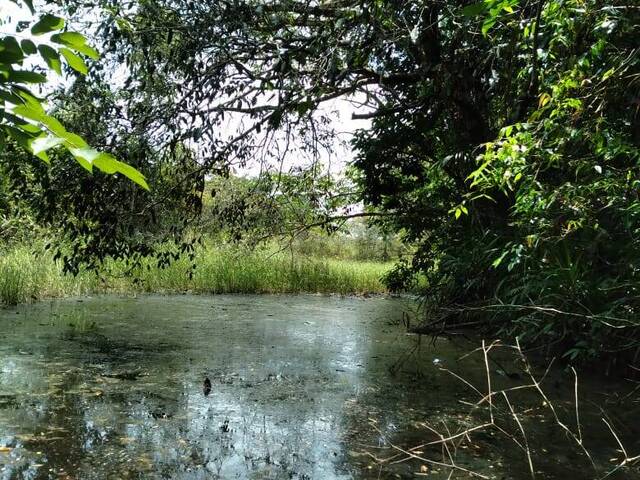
[301, 388]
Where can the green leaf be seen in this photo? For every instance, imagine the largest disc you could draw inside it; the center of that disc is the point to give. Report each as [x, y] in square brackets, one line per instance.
[85, 157]
[544, 99]
[106, 163]
[48, 23]
[37, 114]
[74, 61]
[474, 9]
[499, 260]
[77, 42]
[10, 97]
[109, 164]
[22, 138]
[29, 111]
[73, 141]
[132, 174]
[29, 98]
[608, 73]
[10, 51]
[488, 25]
[24, 76]
[29, 128]
[44, 143]
[28, 46]
[51, 57]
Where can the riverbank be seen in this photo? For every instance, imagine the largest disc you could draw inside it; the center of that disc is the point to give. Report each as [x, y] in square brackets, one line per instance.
[30, 274]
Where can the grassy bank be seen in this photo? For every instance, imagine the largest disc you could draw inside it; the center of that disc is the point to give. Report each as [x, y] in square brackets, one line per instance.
[29, 273]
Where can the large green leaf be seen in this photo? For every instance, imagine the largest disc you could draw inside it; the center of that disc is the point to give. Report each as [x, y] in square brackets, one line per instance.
[37, 114]
[51, 57]
[74, 141]
[77, 42]
[48, 23]
[85, 157]
[74, 61]
[44, 143]
[22, 124]
[10, 97]
[22, 138]
[89, 158]
[28, 46]
[25, 76]
[10, 51]
[132, 174]
[28, 98]
[109, 164]
[30, 112]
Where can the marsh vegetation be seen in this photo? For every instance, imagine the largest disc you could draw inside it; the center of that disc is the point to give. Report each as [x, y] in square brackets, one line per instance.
[483, 157]
[29, 273]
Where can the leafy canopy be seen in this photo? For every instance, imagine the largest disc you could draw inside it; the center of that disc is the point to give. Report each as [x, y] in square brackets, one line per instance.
[503, 143]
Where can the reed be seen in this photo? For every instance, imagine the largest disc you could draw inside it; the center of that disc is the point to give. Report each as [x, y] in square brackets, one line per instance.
[30, 273]
[233, 270]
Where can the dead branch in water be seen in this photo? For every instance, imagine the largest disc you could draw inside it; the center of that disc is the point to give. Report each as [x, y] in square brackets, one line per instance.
[504, 419]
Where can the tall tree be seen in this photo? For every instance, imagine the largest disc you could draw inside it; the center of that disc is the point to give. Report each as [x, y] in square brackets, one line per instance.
[504, 138]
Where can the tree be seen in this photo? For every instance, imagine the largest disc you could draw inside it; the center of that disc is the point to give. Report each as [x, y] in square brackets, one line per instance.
[90, 217]
[504, 137]
[276, 205]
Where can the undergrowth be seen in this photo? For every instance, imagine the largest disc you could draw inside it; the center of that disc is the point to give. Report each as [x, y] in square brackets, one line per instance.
[30, 273]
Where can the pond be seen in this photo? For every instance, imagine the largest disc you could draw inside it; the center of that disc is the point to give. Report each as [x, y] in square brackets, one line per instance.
[302, 387]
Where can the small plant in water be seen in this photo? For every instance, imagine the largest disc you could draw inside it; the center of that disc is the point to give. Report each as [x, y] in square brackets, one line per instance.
[80, 322]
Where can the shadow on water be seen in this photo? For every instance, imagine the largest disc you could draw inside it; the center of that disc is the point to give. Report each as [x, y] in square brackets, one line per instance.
[299, 387]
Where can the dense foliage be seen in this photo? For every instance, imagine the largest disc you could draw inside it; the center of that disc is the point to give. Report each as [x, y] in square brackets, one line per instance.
[567, 168]
[503, 142]
[99, 216]
[34, 191]
[518, 172]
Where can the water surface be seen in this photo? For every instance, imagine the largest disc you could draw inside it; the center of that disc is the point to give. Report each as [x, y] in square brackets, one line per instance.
[303, 387]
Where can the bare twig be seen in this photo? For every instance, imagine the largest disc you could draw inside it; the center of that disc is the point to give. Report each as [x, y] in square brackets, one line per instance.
[561, 424]
[524, 435]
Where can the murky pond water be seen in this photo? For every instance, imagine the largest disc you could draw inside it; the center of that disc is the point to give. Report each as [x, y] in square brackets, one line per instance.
[302, 387]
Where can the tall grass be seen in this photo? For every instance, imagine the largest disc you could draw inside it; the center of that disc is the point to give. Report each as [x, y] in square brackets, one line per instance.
[28, 273]
[233, 271]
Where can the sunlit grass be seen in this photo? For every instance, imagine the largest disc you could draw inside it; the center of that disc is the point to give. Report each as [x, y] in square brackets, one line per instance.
[29, 273]
[230, 270]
